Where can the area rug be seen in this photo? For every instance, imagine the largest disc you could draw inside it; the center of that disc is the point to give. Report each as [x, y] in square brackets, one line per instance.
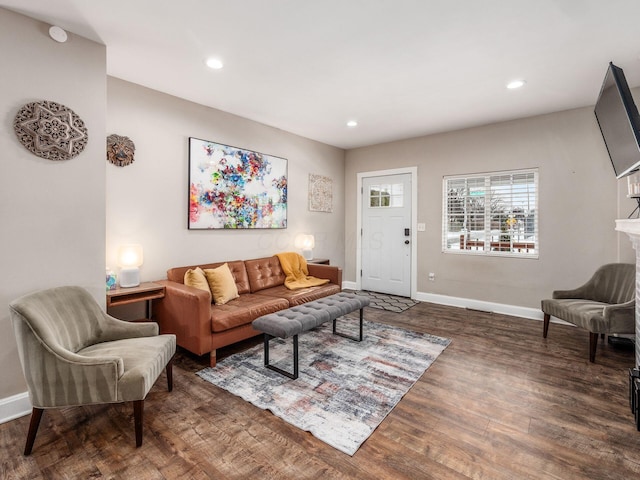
[391, 303]
[345, 388]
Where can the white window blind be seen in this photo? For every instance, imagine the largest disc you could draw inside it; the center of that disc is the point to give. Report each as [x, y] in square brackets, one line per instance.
[491, 214]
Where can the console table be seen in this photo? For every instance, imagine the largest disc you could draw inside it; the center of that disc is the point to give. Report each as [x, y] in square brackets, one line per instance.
[319, 261]
[145, 292]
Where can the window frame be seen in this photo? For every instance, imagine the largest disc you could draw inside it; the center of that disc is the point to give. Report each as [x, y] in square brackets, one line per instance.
[519, 223]
[387, 195]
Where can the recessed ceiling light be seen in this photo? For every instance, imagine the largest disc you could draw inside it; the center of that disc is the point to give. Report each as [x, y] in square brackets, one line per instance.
[352, 123]
[515, 84]
[214, 63]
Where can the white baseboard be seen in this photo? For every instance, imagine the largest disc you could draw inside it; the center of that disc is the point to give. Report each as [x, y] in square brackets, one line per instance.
[513, 310]
[349, 285]
[14, 407]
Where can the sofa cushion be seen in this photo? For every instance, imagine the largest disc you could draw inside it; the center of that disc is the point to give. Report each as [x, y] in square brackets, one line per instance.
[243, 310]
[196, 278]
[237, 270]
[222, 284]
[303, 295]
[264, 273]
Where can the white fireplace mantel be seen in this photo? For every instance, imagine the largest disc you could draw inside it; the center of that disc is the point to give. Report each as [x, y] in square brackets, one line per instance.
[632, 228]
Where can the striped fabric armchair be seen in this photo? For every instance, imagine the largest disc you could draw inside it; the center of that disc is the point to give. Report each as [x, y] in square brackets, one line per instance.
[604, 305]
[73, 353]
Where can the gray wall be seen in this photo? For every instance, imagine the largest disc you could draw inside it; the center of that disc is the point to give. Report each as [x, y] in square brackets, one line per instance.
[52, 213]
[580, 199]
[147, 200]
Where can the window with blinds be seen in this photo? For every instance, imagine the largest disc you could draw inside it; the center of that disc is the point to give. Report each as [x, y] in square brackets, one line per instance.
[491, 214]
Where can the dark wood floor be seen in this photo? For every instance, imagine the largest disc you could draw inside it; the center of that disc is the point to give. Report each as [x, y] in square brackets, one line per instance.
[501, 402]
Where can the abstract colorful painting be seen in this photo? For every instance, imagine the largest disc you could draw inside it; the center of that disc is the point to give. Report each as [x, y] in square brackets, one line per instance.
[230, 187]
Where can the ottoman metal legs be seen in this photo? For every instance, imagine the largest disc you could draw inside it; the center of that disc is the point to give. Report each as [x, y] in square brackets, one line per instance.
[293, 375]
[349, 336]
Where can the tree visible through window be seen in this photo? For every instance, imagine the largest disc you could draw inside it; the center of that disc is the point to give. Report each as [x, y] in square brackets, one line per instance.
[388, 195]
[493, 213]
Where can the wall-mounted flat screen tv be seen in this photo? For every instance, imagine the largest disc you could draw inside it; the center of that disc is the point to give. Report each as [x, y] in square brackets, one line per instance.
[619, 122]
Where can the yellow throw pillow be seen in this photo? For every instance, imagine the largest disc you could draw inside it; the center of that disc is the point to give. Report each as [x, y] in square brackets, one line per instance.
[196, 278]
[222, 285]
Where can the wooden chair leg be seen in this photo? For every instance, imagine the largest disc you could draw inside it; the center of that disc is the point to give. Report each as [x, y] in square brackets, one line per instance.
[170, 374]
[138, 413]
[36, 415]
[138, 405]
[545, 328]
[593, 344]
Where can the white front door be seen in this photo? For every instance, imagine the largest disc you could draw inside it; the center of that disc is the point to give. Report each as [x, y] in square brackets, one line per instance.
[386, 234]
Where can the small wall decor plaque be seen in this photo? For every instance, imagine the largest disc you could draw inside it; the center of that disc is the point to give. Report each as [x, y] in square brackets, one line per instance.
[120, 150]
[320, 193]
[50, 130]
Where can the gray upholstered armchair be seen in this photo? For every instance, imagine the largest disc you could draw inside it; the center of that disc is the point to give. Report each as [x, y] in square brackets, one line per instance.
[73, 353]
[603, 305]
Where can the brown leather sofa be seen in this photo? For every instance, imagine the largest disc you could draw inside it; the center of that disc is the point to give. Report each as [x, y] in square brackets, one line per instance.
[202, 327]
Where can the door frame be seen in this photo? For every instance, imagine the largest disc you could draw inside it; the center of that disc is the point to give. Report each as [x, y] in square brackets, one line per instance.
[414, 222]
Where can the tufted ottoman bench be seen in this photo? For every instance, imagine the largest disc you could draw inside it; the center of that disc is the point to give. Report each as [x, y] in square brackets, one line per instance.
[295, 320]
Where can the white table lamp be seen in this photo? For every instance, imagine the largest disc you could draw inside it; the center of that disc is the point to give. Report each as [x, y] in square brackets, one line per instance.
[129, 259]
[306, 243]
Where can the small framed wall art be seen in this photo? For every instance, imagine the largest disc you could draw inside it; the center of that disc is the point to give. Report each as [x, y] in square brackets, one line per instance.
[235, 188]
[320, 193]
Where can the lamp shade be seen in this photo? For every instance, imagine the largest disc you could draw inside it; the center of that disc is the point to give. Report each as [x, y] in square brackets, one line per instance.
[305, 241]
[130, 256]
[309, 242]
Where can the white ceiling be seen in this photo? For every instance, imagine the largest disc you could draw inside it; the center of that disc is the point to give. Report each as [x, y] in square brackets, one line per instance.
[401, 68]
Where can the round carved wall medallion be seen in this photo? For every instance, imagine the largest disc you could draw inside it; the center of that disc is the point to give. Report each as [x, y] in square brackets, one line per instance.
[50, 130]
[120, 150]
